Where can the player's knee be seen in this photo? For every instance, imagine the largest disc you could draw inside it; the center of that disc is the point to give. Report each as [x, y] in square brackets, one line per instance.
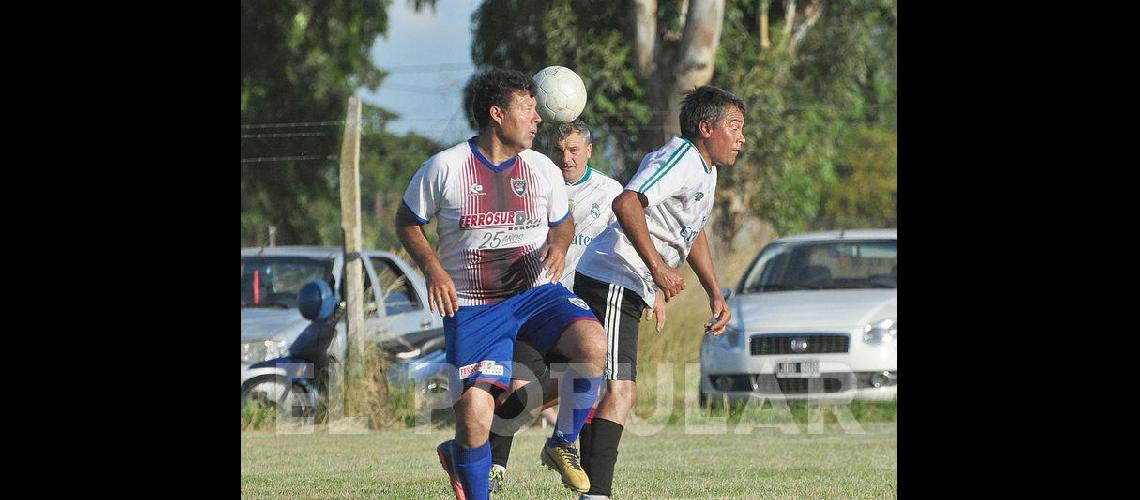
[624, 392]
[593, 343]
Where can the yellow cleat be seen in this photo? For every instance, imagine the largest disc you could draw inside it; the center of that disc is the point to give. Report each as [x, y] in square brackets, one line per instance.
[564, 459]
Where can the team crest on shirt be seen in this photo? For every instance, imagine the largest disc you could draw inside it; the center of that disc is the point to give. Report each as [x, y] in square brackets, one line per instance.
[579, 302]
[519, 186]
[595, 211]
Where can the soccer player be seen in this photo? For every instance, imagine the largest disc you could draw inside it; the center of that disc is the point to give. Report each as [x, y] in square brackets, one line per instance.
[590, 194]
[504, 226]
[660, 219]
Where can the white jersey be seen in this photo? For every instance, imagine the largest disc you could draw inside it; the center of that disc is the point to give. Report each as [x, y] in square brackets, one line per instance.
[493, 219]
[591, 200]
[679, 187]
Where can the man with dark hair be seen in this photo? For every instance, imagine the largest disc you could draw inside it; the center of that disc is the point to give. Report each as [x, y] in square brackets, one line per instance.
[660, 219]
[503, 234]
[591, 194]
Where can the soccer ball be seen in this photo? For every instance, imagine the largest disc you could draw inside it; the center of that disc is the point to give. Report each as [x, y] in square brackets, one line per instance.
[560, 93]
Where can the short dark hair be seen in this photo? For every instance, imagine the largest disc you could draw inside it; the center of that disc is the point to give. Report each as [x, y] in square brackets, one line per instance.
[705, 103]
[556, 133]
[496, 87]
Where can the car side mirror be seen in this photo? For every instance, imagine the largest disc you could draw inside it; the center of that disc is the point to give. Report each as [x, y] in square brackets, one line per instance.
[727, 292]
[316, 301]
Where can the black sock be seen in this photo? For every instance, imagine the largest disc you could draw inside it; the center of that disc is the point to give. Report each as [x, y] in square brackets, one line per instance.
[584, 437]
[500, 449]
[605, 437]
[507, 420]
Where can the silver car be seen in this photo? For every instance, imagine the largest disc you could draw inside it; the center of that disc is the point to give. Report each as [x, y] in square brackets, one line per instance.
[395, 307]
[814, 317]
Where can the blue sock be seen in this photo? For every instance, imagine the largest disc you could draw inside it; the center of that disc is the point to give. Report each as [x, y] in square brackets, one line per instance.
[574, 407]
[473, 465]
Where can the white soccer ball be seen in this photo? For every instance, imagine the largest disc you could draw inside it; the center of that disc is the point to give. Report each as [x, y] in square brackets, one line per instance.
[560, 93]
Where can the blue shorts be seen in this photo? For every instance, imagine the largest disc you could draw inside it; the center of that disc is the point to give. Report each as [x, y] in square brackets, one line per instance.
[481, 339]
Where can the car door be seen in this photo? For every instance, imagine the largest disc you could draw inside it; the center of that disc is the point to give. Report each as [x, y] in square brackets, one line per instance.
[404, 304]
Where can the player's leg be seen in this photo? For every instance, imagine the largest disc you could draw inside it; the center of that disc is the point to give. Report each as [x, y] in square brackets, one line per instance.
[517, 408]
[480, 341]
[621, 311]
[559, 322]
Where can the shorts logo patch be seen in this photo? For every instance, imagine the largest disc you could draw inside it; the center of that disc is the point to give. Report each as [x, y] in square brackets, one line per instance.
[484, 367]
[579, 302]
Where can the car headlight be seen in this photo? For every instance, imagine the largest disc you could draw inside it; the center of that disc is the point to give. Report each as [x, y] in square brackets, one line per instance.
[881, 332]
[263, 350]
[727, 340]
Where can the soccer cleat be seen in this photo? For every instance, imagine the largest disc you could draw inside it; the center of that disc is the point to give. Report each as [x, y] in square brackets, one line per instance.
[563, 458]
[593, 497]
[495, 480]
[444, 450]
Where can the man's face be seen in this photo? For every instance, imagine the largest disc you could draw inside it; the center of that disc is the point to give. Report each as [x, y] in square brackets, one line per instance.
[572, 154]
[520, 121]
[727, 139]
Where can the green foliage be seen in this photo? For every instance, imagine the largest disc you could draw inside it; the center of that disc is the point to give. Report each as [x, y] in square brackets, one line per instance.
[803, 108]
[585, 36]
[300, 61]
[387, 163]
[866, 193]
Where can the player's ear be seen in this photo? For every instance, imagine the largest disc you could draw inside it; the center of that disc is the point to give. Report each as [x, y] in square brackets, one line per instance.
[706, 129]
[497, 114]
[589, 150]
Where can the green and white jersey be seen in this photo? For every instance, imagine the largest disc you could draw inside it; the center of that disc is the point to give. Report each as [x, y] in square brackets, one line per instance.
[679, 187]
[591, 199]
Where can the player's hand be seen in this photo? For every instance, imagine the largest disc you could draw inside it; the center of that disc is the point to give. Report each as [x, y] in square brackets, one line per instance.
[657, 312]
[721, 314]
[669, 282]
[442, 299]
[554, 259]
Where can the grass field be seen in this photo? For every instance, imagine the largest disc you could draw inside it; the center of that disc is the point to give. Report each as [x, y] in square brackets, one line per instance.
[765, 463]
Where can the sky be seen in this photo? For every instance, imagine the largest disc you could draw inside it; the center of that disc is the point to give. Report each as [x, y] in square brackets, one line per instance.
[428, 59]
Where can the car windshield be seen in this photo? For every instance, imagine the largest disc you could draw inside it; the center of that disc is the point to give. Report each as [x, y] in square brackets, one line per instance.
[823, 265]
[275, 281]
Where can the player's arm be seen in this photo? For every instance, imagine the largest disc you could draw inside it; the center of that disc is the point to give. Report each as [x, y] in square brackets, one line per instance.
[629, 208]
[561, 223]
[700, 259]
[558, 239]
[442, 298]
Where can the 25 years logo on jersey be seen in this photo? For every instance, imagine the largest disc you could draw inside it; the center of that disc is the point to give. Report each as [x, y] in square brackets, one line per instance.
[519, 186]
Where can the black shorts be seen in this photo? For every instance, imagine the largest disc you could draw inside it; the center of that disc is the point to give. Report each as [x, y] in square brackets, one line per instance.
[619, 309]
[537, 366]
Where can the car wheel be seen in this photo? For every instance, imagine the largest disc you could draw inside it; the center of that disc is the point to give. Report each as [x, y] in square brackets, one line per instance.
[292, 402]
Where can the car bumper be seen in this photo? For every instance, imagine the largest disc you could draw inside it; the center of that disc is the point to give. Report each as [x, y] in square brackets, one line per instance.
[830, 386]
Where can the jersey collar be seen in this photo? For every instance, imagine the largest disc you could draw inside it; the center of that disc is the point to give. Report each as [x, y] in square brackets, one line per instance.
[487, 163]
[584, 177]
[703, 164]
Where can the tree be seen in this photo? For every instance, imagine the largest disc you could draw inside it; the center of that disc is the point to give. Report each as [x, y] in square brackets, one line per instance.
[671, 62]
[300, 60]
[585, 36]
[811, 73]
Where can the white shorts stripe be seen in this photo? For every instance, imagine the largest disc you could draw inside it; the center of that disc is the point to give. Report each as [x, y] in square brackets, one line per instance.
[611, 326]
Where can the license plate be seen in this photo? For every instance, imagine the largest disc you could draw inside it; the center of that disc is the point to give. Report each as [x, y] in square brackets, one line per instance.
[804, 368]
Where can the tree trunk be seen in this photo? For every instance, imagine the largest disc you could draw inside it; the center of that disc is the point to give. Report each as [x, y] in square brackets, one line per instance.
[789, 20]
[811, 15]
[765, 42]
[645, 36]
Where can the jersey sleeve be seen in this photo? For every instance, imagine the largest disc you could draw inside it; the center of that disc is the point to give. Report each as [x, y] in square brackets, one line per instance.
[425, 190]
[613, 190]
[661, 177]
[559, 205]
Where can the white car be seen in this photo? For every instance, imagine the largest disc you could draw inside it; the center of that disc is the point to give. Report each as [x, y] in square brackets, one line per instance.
[814, 317]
